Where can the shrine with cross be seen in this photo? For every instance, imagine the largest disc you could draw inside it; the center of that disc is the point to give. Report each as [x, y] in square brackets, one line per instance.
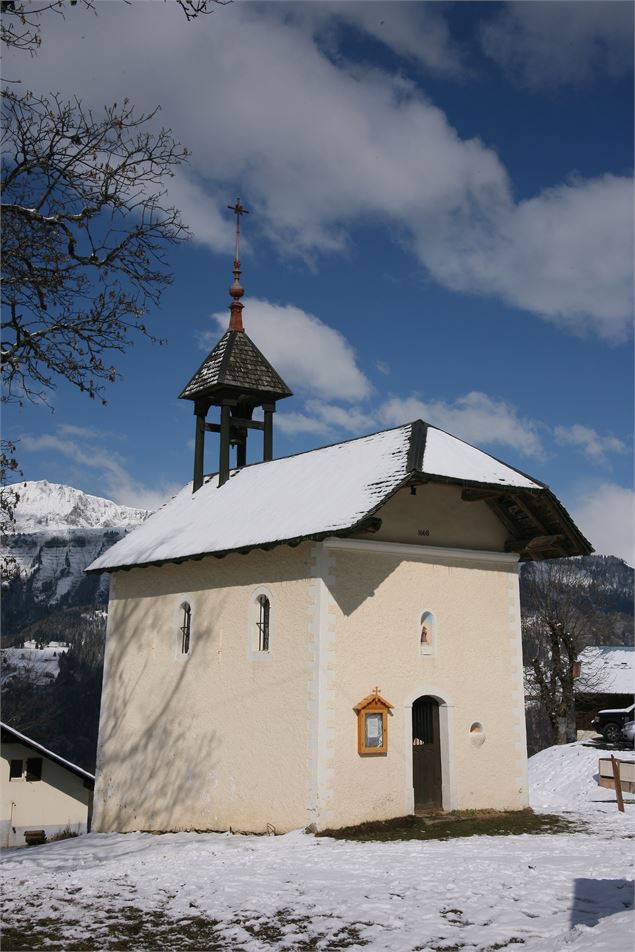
[253, 618]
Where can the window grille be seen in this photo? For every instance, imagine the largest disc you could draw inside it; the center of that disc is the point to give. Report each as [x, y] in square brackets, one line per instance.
[186, 628]
[263, 623]
[34, 768]
[422, 723]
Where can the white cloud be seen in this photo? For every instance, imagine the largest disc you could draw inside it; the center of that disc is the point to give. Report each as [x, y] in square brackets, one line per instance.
[294, 423]
[595, 446]
[605, 516]
[310, 356]
[543, 45]
[84, 446]
[476, 418]
[318, 145]
[349, 419]
[417, 31]
[566, 254]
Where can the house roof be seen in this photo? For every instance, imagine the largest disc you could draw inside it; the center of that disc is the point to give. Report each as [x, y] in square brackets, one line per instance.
[235, 363]
[333, 490]
[608, 669]
[10, 735]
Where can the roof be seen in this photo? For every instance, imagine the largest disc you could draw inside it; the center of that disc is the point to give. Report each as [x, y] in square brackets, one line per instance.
[9, 734]
[235, 363]
[329, 491]
[608, 669]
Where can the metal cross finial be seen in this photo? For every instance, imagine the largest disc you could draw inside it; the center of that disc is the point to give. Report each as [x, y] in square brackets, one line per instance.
[376, 690]
[238, 210]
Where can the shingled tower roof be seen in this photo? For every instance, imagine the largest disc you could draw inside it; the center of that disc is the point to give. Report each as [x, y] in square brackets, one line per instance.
[235, 364]
[238, 379]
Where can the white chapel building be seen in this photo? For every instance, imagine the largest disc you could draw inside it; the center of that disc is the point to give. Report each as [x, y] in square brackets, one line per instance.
[323, 639]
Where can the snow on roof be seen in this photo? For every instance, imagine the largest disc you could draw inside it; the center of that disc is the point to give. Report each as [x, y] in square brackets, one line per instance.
[445, 455]
[609, 669]
[319, 492]
[22, 738]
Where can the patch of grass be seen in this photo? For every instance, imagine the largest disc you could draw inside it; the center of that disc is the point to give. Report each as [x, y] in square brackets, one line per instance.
[452, 825]
[126, 927]
[273, 931]
[65, 834]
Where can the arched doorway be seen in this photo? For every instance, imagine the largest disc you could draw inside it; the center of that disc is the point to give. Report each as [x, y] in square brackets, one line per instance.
[426, 755]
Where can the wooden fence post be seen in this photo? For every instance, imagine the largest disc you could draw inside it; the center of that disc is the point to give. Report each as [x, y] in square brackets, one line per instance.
[618, 784]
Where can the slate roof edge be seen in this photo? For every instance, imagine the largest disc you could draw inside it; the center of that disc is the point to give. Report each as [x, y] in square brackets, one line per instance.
[200, 367]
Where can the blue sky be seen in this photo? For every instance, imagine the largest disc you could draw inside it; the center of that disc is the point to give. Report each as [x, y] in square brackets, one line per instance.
[440, 226]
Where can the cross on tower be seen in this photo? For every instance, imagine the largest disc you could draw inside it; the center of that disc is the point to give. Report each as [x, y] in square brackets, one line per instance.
[238, 210]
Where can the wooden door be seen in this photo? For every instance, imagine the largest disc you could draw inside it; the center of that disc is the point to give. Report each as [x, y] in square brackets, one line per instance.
[426, 755]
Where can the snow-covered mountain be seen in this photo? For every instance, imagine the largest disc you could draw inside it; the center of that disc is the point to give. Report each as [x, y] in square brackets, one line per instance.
[601, 583]
[49, 506]
[59, 530]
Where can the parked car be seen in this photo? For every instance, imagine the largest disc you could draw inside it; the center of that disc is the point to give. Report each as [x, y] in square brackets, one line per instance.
[610, 723]
[629, 732]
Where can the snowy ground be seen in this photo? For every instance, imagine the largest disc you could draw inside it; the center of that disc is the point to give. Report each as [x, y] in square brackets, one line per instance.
[42, 664]
[535, 893]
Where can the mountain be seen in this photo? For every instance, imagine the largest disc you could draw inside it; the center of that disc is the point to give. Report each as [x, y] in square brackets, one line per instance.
[59, 530]
[50, 506]
[600, 586]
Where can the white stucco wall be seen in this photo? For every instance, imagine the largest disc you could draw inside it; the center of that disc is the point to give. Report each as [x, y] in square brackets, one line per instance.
[222, 737]
[376, 595]
[57, 802]
[437, 516]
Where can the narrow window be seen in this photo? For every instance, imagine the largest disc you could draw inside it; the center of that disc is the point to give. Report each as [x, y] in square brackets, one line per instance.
[186, 628]
[263, 623]
[34, 768]
[15, 770]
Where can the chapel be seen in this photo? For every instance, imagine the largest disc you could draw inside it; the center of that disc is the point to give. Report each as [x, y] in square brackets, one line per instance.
[323, 639]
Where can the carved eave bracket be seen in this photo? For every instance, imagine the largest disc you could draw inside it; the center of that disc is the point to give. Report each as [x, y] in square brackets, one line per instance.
[538, 526]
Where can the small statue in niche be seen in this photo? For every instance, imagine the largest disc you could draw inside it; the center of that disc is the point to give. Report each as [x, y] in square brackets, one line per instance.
[425, 634]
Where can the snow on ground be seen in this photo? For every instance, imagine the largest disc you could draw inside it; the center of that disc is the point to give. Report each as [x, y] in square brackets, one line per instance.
[563, 779]
[609, 669]
[42, 663]
[539, 893]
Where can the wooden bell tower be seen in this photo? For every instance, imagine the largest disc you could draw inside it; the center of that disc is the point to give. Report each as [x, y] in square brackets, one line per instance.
[238, 379]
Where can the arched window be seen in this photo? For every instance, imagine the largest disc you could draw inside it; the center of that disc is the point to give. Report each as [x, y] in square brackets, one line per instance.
[186, 627]
[427, 633]
[262, 622]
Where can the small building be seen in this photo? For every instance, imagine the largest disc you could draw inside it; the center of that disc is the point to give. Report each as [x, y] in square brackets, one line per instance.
[606, 681]
[42, 793]
[320, 640]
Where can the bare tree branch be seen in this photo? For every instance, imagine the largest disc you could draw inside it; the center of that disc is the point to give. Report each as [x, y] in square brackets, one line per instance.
[86, 223]
[21, 19]
[557, 625]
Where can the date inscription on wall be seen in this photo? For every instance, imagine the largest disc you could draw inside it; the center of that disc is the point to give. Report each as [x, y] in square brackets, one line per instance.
[423, 532]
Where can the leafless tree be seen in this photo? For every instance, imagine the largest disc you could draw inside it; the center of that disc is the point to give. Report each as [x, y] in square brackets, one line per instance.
[21, 19]
[86, 223]
[557, 624]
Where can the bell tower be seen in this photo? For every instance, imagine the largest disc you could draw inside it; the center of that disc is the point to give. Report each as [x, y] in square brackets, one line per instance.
[238, 379]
